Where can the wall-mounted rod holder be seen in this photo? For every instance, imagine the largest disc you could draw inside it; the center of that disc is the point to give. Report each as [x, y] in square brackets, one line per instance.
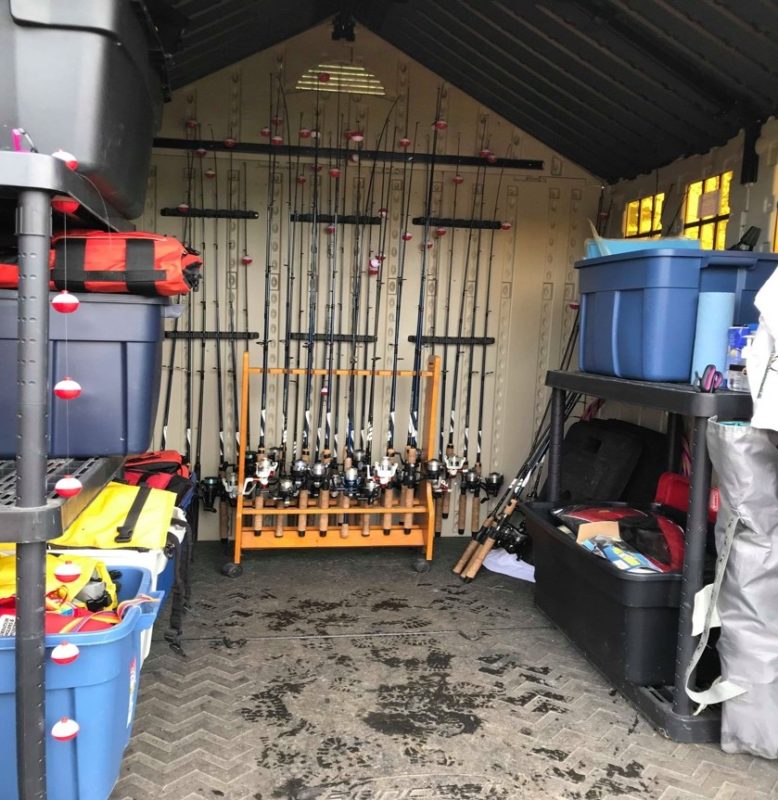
[446, 222]
[466, 340]
[209, 213]
[341, 219]
[331, 153]
[360, 338]
[226, 336]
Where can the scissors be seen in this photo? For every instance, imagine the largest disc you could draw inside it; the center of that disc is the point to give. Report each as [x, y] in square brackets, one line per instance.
[710, 380]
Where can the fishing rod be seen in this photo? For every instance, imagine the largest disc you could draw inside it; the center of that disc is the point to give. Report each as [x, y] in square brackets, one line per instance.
[454, 463]
[440, 487]
[214, 174]
[473, 481]
[376, 268]
[292, 171]
[387, 468]
[313, 273]
[323, 451]
[411, 474]
[186, 237]
[302, 133]
[231, 312]
[510, 498]
[246, 260]
[208, 497]
[268, 272]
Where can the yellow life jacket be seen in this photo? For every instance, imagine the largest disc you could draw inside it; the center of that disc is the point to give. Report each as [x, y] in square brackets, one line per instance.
[87, 578]
[122, 517]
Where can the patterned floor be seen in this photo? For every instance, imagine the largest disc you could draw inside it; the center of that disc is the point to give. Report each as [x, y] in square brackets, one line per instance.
[347, 676]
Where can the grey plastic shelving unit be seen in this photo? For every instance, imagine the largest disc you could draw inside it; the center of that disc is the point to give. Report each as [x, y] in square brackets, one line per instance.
[30, 514]
[667, 708]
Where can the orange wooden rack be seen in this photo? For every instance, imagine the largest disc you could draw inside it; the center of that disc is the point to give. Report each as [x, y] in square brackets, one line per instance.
[409, 523]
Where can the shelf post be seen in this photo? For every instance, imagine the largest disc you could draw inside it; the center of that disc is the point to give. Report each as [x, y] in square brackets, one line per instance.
[555, 446]
[33, 228]
[694, 561]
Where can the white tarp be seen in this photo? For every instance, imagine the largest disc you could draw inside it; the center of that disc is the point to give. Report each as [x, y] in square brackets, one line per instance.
[762, 361]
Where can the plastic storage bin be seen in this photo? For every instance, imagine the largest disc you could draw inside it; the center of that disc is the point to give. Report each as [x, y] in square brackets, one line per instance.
[155, 561]
[114, 351]
[639, 310]
[88, 66]
[625, 624]
[98, 690]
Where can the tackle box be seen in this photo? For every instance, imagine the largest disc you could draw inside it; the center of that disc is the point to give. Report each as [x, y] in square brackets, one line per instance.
[98, 690]
[85, 77]
[625, 624]
[112, 346]
[639, 309]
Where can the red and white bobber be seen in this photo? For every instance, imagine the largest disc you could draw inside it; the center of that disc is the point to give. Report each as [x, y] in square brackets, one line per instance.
[229, 142]
[210, 173]
[301, 179]
[325, 390]
[70, 161]
[428, 244]
[440, 231]
[67, 389]
[65, 653]
[246, 259]
[458, 180]
[67, 572]
[265, 131]
[374, 265]
[68, 486]
[64, 204]
[64, 302]
[330, 229]
[334, 172]
[357, 136]
[383, 213]
[276, 140]
[201, 152]
[441, 124]
[491, 158]
[277, 121]
[192, 124]
[65, 729]
[405, 142]
[407, 236]
[304, 133]
[485, 152]
[354, 158]
[506, 226]
[183, 208]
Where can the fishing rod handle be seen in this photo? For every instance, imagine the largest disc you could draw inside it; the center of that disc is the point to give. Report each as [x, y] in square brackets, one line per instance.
[344, 502]
[475, 512]
[259, 502]
[478, 559]
[388, 502]
[302, 519]
[445, 503]
[439, 515]
[324, 520]
[366, 523]
[279, 532]
[472, 546]
[407, 499]
[462, 510]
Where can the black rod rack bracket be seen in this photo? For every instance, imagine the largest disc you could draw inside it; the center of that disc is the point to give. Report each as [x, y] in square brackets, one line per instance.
[465, 340]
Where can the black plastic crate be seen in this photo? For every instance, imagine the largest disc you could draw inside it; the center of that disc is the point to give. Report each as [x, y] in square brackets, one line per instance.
[625, 624]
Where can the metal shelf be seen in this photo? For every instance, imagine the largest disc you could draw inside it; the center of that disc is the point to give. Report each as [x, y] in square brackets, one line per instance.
[668, 708]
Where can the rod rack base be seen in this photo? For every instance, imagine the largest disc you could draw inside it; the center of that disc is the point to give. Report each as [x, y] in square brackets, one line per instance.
[463, 340]
[226, 336]
[360, 338]
[449, 222]
[209, 213]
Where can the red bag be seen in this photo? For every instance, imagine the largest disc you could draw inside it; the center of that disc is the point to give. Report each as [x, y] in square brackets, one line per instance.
[126, 263]
[673, 491]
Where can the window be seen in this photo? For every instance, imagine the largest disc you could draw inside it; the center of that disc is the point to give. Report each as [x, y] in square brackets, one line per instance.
[707, 211]
[643, 218]
[346, 78]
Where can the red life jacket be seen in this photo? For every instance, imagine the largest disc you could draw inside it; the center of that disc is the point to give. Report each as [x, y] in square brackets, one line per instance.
[126, 263]
[159, 469]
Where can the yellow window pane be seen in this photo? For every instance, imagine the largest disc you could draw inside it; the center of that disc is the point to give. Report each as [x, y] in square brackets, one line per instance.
[658, 203]
[644, 225]
[692, 233]
[711, 183]
[726, 182]
[707, 234]
[721, 235]
[692, 201]
[631, 218]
